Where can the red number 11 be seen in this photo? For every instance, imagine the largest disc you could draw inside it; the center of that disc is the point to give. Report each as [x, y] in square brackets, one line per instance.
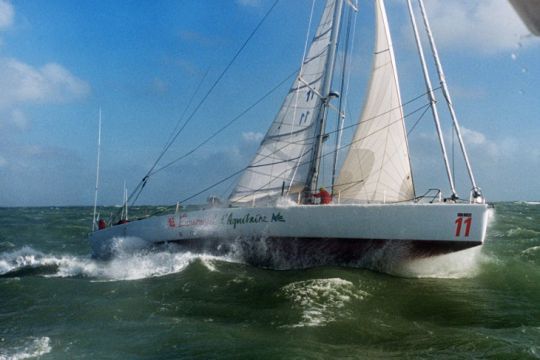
[459, 223]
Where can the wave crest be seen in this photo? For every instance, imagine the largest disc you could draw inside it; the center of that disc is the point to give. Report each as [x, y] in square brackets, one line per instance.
[125, 266]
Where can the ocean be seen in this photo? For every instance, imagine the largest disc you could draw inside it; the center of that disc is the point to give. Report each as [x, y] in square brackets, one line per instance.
[56, 302]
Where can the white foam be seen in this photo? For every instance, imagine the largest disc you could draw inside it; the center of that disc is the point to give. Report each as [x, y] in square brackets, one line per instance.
[137, 266]
[322, 300]
[37, 347]
[26, 257]
[461, 264]
[208, 262]
[125, 266]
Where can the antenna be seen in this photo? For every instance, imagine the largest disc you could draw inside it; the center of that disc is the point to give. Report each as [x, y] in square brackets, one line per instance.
[97, 172]
[125, 202]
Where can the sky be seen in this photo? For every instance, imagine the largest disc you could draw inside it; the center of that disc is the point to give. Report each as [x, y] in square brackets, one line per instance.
[148, 64]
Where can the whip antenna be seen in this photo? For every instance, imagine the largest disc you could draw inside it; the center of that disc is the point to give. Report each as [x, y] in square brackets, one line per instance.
[97, 173]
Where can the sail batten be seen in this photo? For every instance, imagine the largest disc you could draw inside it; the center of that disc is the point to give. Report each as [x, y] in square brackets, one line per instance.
[283, 156]
[377, 165]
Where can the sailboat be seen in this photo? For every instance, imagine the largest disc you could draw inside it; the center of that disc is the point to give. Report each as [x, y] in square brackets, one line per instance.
[272, 216]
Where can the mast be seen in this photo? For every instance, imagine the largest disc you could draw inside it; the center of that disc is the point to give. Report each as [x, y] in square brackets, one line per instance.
[446, 93]
[311, 183]
[341, 114]
[432, 100]
[287, 151]
[97, 173]
[125, 211]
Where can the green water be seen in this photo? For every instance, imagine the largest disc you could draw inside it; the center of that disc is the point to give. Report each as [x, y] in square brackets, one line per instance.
[58, 303]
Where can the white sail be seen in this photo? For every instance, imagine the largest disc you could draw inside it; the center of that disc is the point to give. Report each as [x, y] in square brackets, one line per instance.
[377, 167]
[285, 153]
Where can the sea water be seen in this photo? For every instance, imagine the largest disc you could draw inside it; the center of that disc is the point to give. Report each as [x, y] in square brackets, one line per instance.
[56, 302]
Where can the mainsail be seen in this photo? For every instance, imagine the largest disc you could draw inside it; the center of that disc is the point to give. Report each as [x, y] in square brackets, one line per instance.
[377, 167]
[284, 156]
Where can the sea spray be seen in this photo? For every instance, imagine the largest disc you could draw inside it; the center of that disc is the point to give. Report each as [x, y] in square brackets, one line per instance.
[285, 202]
[461, 264]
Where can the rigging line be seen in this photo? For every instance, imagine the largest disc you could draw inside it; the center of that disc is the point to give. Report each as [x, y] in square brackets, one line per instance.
[390, 157]
[140, 186]
[417, 121]
[216, 82]
[375, 117]
[384, 127]
[238, 52]
[224, 127]
[299, 80]
[303, 63]
[328, 153]
[277, 162]
[406, 103]
[329, 133]
[426, 106]
[187, 107]
[453, 156]
[212, 186]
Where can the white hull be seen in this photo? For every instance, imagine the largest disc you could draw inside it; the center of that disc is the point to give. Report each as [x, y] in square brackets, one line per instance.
[340, 234]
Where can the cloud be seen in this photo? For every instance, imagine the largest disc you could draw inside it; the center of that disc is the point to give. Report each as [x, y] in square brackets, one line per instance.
[473, 137]
[485, 147]
[488, 149]
[505, 167]
[252, 136]
[488, 26]
[23, 83]
[7, 14]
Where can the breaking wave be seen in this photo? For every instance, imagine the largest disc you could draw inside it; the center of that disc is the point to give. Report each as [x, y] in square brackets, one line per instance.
[130, 266]
[34, 348]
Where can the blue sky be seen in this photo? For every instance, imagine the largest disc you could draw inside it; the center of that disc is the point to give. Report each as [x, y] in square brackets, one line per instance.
[141, 62]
